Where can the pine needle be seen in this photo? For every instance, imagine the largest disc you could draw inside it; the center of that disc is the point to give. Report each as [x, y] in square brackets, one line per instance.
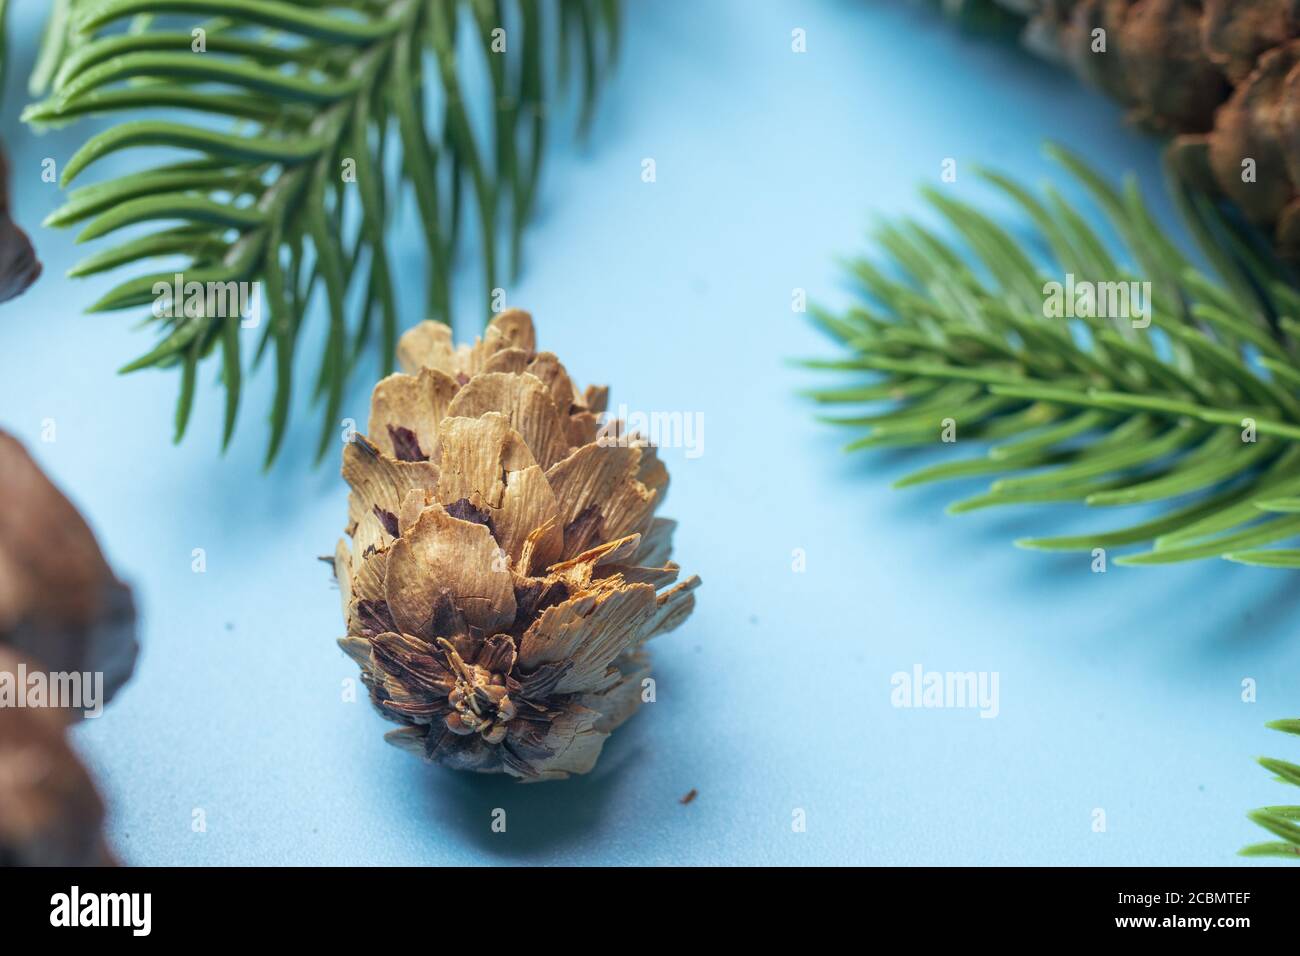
[1190, 403]
[1281, 821]
[294, 111]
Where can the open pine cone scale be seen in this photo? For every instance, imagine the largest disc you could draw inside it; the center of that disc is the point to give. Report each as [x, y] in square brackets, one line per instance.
[505, 564]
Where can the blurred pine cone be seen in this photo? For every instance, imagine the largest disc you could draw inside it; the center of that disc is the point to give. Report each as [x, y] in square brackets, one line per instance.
[1221, 75]
[50, 813]
[60, 602]
[62, 610]
[505, 564]
[18, 265]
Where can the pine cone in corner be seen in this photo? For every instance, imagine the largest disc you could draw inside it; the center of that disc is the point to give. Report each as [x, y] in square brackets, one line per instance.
[505, 564]
[1221, 75]
[60, 602]
[50, 812]
[18, 265]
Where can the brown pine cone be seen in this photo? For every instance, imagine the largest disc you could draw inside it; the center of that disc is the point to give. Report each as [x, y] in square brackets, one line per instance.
[1221, 75]
[18, 265]
[505, 564]
[59, 600]
[50, 813]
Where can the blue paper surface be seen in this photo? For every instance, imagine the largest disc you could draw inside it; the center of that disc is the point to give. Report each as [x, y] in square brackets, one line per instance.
[1119, 692]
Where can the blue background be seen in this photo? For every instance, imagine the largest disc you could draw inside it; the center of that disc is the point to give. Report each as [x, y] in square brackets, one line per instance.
[1119, 691]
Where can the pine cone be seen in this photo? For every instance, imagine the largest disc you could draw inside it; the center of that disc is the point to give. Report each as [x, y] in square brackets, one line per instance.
[60, 602]
[18, 265]
[50, 813]
[1221, 75]
[505, 564]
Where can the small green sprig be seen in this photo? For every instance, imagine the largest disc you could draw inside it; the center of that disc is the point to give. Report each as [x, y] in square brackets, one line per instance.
[296, 111]
[1282, 822]
[1198, 412]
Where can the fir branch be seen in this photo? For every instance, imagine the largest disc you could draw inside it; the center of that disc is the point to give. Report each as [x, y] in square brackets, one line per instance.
[295, 110]
[1198, 413]
[1283, 822]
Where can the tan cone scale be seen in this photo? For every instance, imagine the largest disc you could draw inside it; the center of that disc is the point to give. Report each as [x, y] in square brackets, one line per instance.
[1221, 75]
[504, 565]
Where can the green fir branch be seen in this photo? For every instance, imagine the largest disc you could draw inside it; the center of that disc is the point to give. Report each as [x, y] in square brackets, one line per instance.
[1197, 413]
[1283, 821]
[295, 111]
